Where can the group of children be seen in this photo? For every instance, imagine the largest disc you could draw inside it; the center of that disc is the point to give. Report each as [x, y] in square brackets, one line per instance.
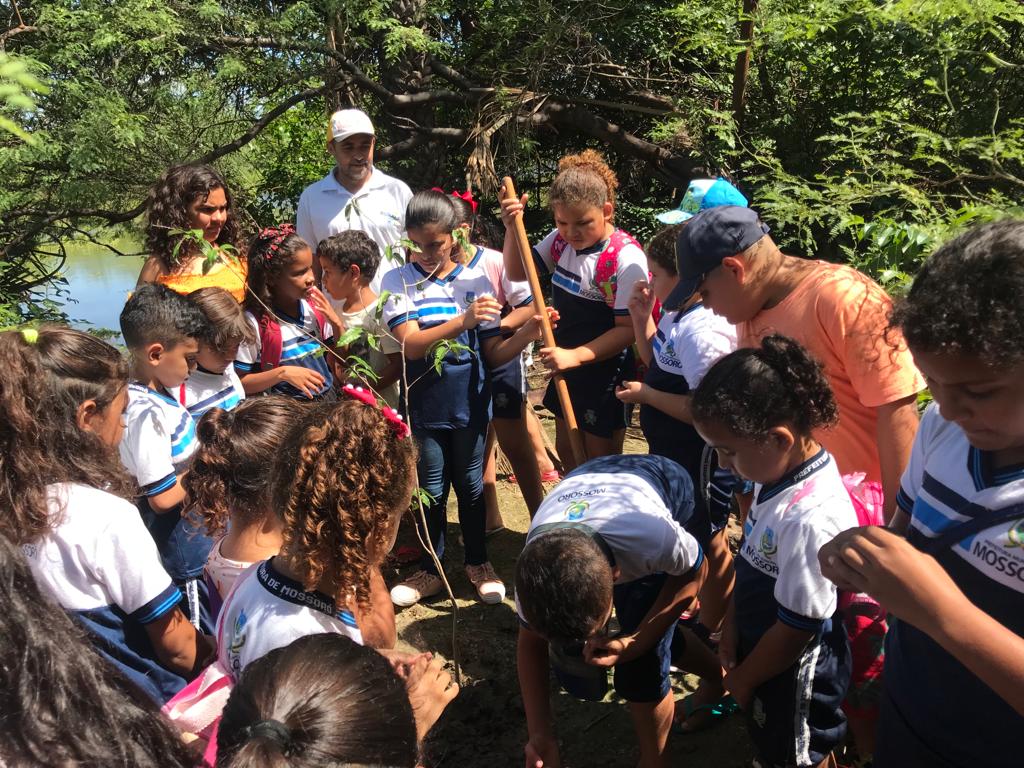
[260, 523]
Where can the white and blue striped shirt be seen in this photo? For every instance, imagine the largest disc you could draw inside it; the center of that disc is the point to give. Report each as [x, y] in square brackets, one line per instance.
[204, 390]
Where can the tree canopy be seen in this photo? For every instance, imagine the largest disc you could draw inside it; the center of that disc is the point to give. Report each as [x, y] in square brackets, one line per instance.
[864, 130]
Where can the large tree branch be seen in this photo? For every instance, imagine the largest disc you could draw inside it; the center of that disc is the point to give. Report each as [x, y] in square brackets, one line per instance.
[18, 30]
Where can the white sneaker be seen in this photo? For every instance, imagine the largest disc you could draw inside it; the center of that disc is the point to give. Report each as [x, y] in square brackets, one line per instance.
[418, 586]
[488, 585]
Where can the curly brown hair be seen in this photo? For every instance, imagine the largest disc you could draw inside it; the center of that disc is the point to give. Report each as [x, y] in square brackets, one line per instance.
[662, 248]
[342, 480]
[583, 179]
[228, 477]
[167, 209]
[43, 385]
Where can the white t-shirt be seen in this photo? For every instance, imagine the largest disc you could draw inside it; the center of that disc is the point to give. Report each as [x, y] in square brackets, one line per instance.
[514, 293]
[378, 209]
[688, 343]
[159, 439]
[778, 576]
[267, 610]
[204, 390]
[101, 565]
[366, 318]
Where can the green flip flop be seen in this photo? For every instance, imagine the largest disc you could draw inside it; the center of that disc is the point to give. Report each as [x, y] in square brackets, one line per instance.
[716, 711]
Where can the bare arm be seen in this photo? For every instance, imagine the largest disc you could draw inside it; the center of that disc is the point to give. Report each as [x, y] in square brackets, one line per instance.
[416, 341]
[608, 344]
[391, 372]
[169, 500]
[378, 623]
[896, 426]
[641, 304]
[179, 646]
[676, 594]
[510, 210]
[151, 270]
[516, 318]
[306, 380]
[777, 650]
[532, 663]
[677, 406]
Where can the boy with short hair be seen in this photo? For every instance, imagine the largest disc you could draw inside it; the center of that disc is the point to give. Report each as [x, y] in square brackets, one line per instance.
[838, 314]
[348, 261]
[618, 532]
[162, 330]
[214, 383]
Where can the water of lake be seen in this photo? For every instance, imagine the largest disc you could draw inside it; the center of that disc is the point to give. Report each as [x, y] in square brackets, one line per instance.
[98, 283]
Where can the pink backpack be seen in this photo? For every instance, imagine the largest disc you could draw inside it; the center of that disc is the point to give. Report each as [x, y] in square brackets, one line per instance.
[606, 273]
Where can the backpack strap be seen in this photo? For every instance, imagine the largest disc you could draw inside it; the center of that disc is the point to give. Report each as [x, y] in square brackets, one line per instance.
[271, 344]
[606, 273]
[982, 518]
[270, 341]
[558, 246]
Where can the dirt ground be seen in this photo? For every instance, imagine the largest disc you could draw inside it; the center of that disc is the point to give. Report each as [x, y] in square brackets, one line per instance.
[485, 725]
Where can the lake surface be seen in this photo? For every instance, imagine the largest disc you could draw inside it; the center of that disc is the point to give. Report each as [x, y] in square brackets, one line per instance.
[99, 282]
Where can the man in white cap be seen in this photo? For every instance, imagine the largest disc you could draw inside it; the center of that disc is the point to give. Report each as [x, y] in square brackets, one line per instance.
[354, 195]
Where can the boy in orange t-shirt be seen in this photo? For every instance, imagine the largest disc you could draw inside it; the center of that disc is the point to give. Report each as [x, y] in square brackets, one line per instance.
[840, 315]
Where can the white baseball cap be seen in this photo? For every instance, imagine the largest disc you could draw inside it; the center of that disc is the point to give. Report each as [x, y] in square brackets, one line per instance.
[348, 122]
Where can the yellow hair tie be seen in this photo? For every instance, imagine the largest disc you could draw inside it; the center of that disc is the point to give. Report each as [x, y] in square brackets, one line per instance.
[30, 335]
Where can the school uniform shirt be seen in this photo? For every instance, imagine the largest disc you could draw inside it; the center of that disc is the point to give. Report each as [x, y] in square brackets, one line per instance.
[267, 610]
[513, 293]
[640, 507]
[298, 347]
[158, 443]
[796, 716]
[459, 396]
[778, 577]
[926, 684]
[687, 343]
[205, 389]
[100, 564]
[378, 209]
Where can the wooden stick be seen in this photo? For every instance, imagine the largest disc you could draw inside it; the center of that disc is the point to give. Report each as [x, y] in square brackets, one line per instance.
[508, 191]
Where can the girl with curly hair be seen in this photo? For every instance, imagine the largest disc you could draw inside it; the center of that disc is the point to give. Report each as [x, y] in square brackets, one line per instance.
[191, 197]
[594, 266]
[65, 501]
[227, 487]
[783, 649]
[341, 481]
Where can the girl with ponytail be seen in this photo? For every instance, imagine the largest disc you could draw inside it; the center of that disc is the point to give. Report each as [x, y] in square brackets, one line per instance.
[228, 486]
[784, 650]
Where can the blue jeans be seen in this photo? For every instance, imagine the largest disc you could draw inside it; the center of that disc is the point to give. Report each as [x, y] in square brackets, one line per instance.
[453, 457]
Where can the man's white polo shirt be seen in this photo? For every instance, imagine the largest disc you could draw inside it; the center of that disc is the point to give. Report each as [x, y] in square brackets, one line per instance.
[378, 209]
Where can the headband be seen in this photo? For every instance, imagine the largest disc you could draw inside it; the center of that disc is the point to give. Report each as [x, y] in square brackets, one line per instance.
[398, 425]
[467, 196]
[274, 236]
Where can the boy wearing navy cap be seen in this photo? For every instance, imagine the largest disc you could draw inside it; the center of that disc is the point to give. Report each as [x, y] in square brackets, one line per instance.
[614, 534]
[834, 311]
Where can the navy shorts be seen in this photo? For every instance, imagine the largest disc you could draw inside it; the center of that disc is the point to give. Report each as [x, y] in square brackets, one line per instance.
[508, 389]
[645, 679]
[898, 746]
[796, 718]
[592, 392]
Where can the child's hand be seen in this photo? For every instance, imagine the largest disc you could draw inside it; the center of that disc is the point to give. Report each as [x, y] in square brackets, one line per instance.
[558, 360]
[485, 309]
[542, 752]
[430, 691]
[609, 651]
[307, 381]
[532, 327]
[632, 392]
[319, 301]
[905, 581]
[743, 694]
[512, 208]
[641, 300]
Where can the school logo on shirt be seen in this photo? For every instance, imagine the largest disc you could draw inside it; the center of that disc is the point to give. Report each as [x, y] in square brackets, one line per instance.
[590, 416]
[1015, 536]
[670, 348]
[768, 545]
[470, 297]
[576, 510]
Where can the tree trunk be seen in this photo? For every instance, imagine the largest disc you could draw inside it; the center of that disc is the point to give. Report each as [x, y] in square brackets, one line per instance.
[739, 81]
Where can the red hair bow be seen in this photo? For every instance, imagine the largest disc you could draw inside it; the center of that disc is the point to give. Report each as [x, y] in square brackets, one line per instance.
[398, 425]
[274, 236]
[467, 196]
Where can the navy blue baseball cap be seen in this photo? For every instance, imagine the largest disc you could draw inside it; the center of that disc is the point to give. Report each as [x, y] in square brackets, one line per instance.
[708, 238]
